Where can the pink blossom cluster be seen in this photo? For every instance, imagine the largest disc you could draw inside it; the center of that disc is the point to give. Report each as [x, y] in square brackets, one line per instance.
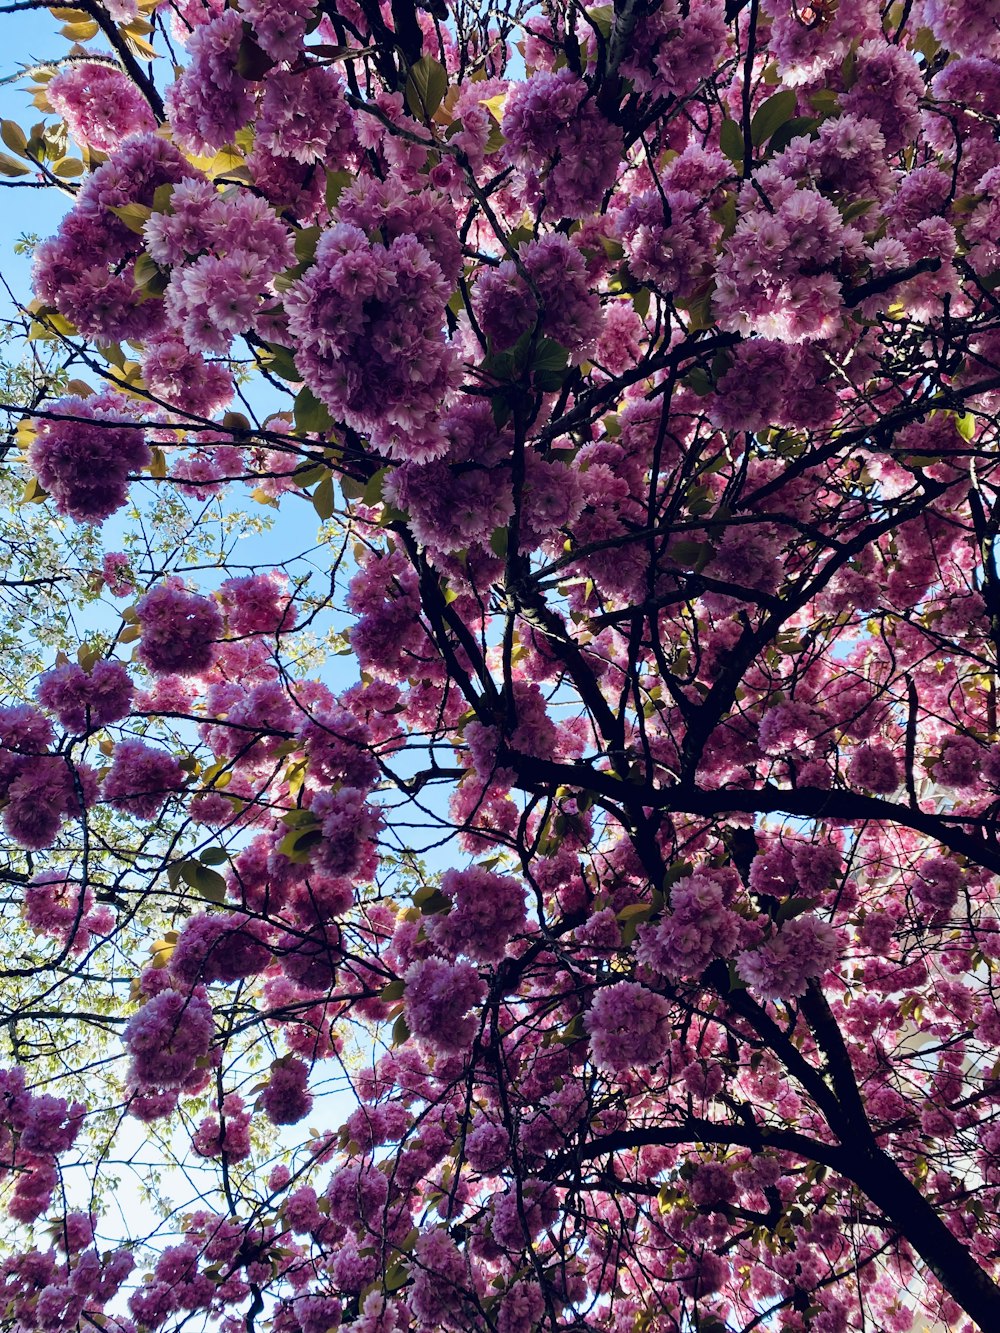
[776, 278]
[278, 28]
[56, 906]
[53, 1293]
[221, 946]
[40, 788]
[546, 288]
[82, 699]
[286, 1100]
[141, 778]
[226, 1135]
[85, 455]
[567, 152]
[438, 999]
[179, 629]
[211, 100]
[367, 322]
[86, 271]
[629, 1027]
[487, 910]
[699, 927]
[115, 573]
[185, 379]
[802, 949]
[100, 106]
[393, 210]
[35, 1130]
[304, 116]
[222, 254]
[167, 1038]
[669, 56]
[258, 604]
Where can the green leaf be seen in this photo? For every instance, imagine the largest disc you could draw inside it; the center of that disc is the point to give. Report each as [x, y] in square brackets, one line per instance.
[336, 183]
[494, 105]
[966, 426]
[549, 366]
[498, 542]
[372, 494]
[857, 208]
[310, 414]
[282, 363]
[431, 901]
[772, 113]
[67, 167]
[731, 140]
[148, 276]
[794, 907]
[162, 198]
[213, 856]
[825, 101]
[635, 912]
[209, 883]
[323, 499]
[699, 382]
[251, 63]
[400, 1030]
[393, 991]
[306, 239]
[689, 553]
[792, 129]
[426, 85]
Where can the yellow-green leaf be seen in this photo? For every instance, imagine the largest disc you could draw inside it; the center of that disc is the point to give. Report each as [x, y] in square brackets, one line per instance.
[14, 137]
[9, 166]
[135, 216]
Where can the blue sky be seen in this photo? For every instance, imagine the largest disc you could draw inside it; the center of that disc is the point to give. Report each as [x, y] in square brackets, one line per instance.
[27, 36]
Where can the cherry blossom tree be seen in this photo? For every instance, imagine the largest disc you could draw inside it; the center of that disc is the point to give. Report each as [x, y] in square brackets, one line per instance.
[546, 877]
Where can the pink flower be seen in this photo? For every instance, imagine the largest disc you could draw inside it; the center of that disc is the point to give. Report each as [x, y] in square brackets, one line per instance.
[85, 700]
[803, 948]
[114, 571]
[698, 928]
[487, 911]
[789, 728]
[437, 1001]
[286, 1100]
[629, 1027]
[179, 629]
[219, 947]
[556, 136]
[935, 886]
[569, 311]
[141, 779]
[487, 1147]
[211, 101]
[100, 106]
[367, 320]
[259, 604]
[85, 457]
[167, 1037]
[873, 767]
